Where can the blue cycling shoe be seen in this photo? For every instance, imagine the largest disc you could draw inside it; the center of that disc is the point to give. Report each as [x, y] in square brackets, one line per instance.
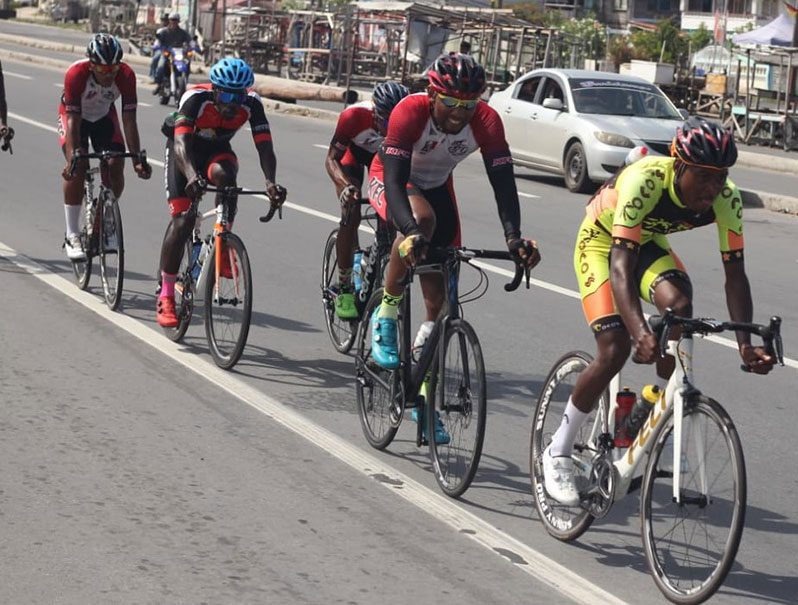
[383, 342]
[441, 436]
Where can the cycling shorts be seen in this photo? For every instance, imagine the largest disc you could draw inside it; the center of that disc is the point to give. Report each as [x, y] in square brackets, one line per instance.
[442, 200]
[105, 134]
[205, 155]
[656, 262]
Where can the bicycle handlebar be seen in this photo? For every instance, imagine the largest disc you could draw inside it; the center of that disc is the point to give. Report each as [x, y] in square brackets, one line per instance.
[770, 333]
[234, 190]
[104, 156]
[440, 255]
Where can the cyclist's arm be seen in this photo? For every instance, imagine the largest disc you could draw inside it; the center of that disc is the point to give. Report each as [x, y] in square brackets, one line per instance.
[126, 81]
[3, 105]
[346, 130]
[262, 135]
[72, 135]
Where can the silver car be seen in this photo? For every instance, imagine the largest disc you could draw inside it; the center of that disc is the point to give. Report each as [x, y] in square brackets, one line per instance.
[582, 124]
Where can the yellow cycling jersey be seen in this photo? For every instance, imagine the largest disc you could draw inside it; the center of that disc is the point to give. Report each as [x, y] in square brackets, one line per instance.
[640, 202]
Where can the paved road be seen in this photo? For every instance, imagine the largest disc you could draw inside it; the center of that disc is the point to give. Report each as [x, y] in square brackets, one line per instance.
[134, 479]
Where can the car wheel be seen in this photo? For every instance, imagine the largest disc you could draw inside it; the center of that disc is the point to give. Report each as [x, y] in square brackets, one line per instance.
[575, 169]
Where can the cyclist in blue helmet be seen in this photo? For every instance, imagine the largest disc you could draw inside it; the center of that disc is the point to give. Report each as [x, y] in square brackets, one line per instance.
[198, 151]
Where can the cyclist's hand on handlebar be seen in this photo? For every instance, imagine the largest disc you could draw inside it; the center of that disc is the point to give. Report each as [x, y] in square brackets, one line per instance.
[525, 251]
[413, 249]
[276, 193]
[196, 187]
[349, 195]
[645, 349]
[143, 170]
[756, 359]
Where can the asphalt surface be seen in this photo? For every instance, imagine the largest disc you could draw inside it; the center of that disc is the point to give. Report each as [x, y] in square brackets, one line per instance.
[136, 472]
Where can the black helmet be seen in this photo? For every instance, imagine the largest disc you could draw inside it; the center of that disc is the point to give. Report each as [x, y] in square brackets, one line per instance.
[457, 75]
[104, 49]
[699, 142]
[386, 96]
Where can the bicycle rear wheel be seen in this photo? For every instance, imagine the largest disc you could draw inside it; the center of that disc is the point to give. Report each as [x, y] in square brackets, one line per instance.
[563, 522]
[459, 403]
[184, 296]
[691, 545]
[228, 307]
[342, 332]
[376, 388]
[112, 251]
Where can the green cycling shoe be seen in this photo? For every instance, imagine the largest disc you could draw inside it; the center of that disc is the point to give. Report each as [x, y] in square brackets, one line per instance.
[345, 306]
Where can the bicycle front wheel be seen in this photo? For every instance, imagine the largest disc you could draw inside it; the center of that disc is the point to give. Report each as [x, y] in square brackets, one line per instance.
[112, 252]
[82, 268]
[228, 303]
[342, 332]
[457, 410]
[565, 523]
[376, 389]
[691, 544]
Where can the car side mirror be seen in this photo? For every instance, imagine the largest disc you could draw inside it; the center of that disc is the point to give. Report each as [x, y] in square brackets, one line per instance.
[684, 113]
[553, 103]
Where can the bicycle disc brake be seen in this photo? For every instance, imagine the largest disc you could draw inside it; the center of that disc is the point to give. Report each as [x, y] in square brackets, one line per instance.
[602, 486]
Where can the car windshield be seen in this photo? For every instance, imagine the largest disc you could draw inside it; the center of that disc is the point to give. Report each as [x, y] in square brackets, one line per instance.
[617, 98]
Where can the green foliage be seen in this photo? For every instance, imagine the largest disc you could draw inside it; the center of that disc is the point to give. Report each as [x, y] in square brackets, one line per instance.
[529, 11]
[700, 38]
[592, 34]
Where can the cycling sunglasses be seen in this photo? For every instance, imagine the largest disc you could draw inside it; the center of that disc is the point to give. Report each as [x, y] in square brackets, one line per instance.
[453, 102]
[105, 69]
[230, 98]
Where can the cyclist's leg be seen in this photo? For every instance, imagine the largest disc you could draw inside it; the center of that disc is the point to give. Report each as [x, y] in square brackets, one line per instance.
[222, 172]
[664, 282]
[73, 189]
[347, 241]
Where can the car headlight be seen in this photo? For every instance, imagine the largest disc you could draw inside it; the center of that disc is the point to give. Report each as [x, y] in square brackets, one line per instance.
[616, 140]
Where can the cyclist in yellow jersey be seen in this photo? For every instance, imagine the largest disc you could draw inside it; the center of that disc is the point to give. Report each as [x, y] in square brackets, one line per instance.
[622, 254]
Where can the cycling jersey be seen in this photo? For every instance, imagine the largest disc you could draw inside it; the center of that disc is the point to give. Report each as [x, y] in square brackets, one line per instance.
[418, 154]
[84, 95]
[199, 116]
[356, 136]
[635, 210]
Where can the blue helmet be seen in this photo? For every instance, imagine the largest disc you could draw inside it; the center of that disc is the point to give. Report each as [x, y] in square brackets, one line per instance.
[232, 73]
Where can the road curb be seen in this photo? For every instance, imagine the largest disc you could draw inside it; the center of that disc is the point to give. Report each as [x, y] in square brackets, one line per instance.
[751, 199]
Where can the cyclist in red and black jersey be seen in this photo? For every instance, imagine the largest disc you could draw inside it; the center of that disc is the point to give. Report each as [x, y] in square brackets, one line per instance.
[358, 135]
[5, 131]
[87, 112]
[199, 151]
[410, 183]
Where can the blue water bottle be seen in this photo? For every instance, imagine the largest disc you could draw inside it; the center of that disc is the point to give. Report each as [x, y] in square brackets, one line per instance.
[357, 270]
[195, 264]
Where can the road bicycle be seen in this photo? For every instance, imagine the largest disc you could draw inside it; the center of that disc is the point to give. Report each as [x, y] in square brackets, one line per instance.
[7, 137]
[343, 332]
[101, 227]
[693, 498]
[447, 384]
[215, 269]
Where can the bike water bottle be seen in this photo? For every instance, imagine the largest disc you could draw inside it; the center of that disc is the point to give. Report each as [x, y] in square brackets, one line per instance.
[424, 330]
[357, 270]
[649, 396]
[635, 154]
[625, 400]
[196, 262]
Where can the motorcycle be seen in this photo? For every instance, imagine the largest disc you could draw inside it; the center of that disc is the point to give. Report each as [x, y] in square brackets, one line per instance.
[178, 68]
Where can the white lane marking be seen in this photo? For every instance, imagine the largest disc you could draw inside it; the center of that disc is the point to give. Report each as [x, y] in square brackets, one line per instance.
[532, 195]
[325, 147]
[143, 104]
[524, 557]
[731, 344]
[14, 74]
[58, 84]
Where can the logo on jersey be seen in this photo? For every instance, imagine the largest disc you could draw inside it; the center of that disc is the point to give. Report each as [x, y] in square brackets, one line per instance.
[396, 151]
[428, 146]
[458, 148]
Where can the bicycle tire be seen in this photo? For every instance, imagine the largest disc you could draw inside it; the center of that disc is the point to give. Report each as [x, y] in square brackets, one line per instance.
[82, 268]
[232, 307]
[113, 278]
[563, 522]
[342, 332]
[725, 508]
[184, 297]
[375, 387]
[460, 402]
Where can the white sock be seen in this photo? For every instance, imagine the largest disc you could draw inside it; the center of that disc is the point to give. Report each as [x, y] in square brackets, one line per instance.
[562, 443]
[72, 214]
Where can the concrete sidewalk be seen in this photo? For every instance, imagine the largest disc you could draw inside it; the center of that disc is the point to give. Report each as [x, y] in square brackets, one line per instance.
[766, 159]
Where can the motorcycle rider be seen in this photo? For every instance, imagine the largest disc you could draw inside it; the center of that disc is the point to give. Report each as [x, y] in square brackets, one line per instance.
[172, 36]
[156, 46]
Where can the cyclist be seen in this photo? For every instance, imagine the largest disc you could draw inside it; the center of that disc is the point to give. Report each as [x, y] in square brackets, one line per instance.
[199, 149]
[6, 133]
[410, 182]
[87, 111]
[358, 134]
[622, 253]
[171, 36]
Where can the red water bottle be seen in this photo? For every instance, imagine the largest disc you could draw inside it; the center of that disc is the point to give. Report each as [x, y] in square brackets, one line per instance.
[625, 400]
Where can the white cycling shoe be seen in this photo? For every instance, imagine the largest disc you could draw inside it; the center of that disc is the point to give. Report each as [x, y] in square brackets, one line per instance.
[558, 478]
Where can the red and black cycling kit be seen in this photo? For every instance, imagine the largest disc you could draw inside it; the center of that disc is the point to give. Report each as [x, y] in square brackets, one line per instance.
[199, 116]
[356, 136]
[94, 103]
[418, 157]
